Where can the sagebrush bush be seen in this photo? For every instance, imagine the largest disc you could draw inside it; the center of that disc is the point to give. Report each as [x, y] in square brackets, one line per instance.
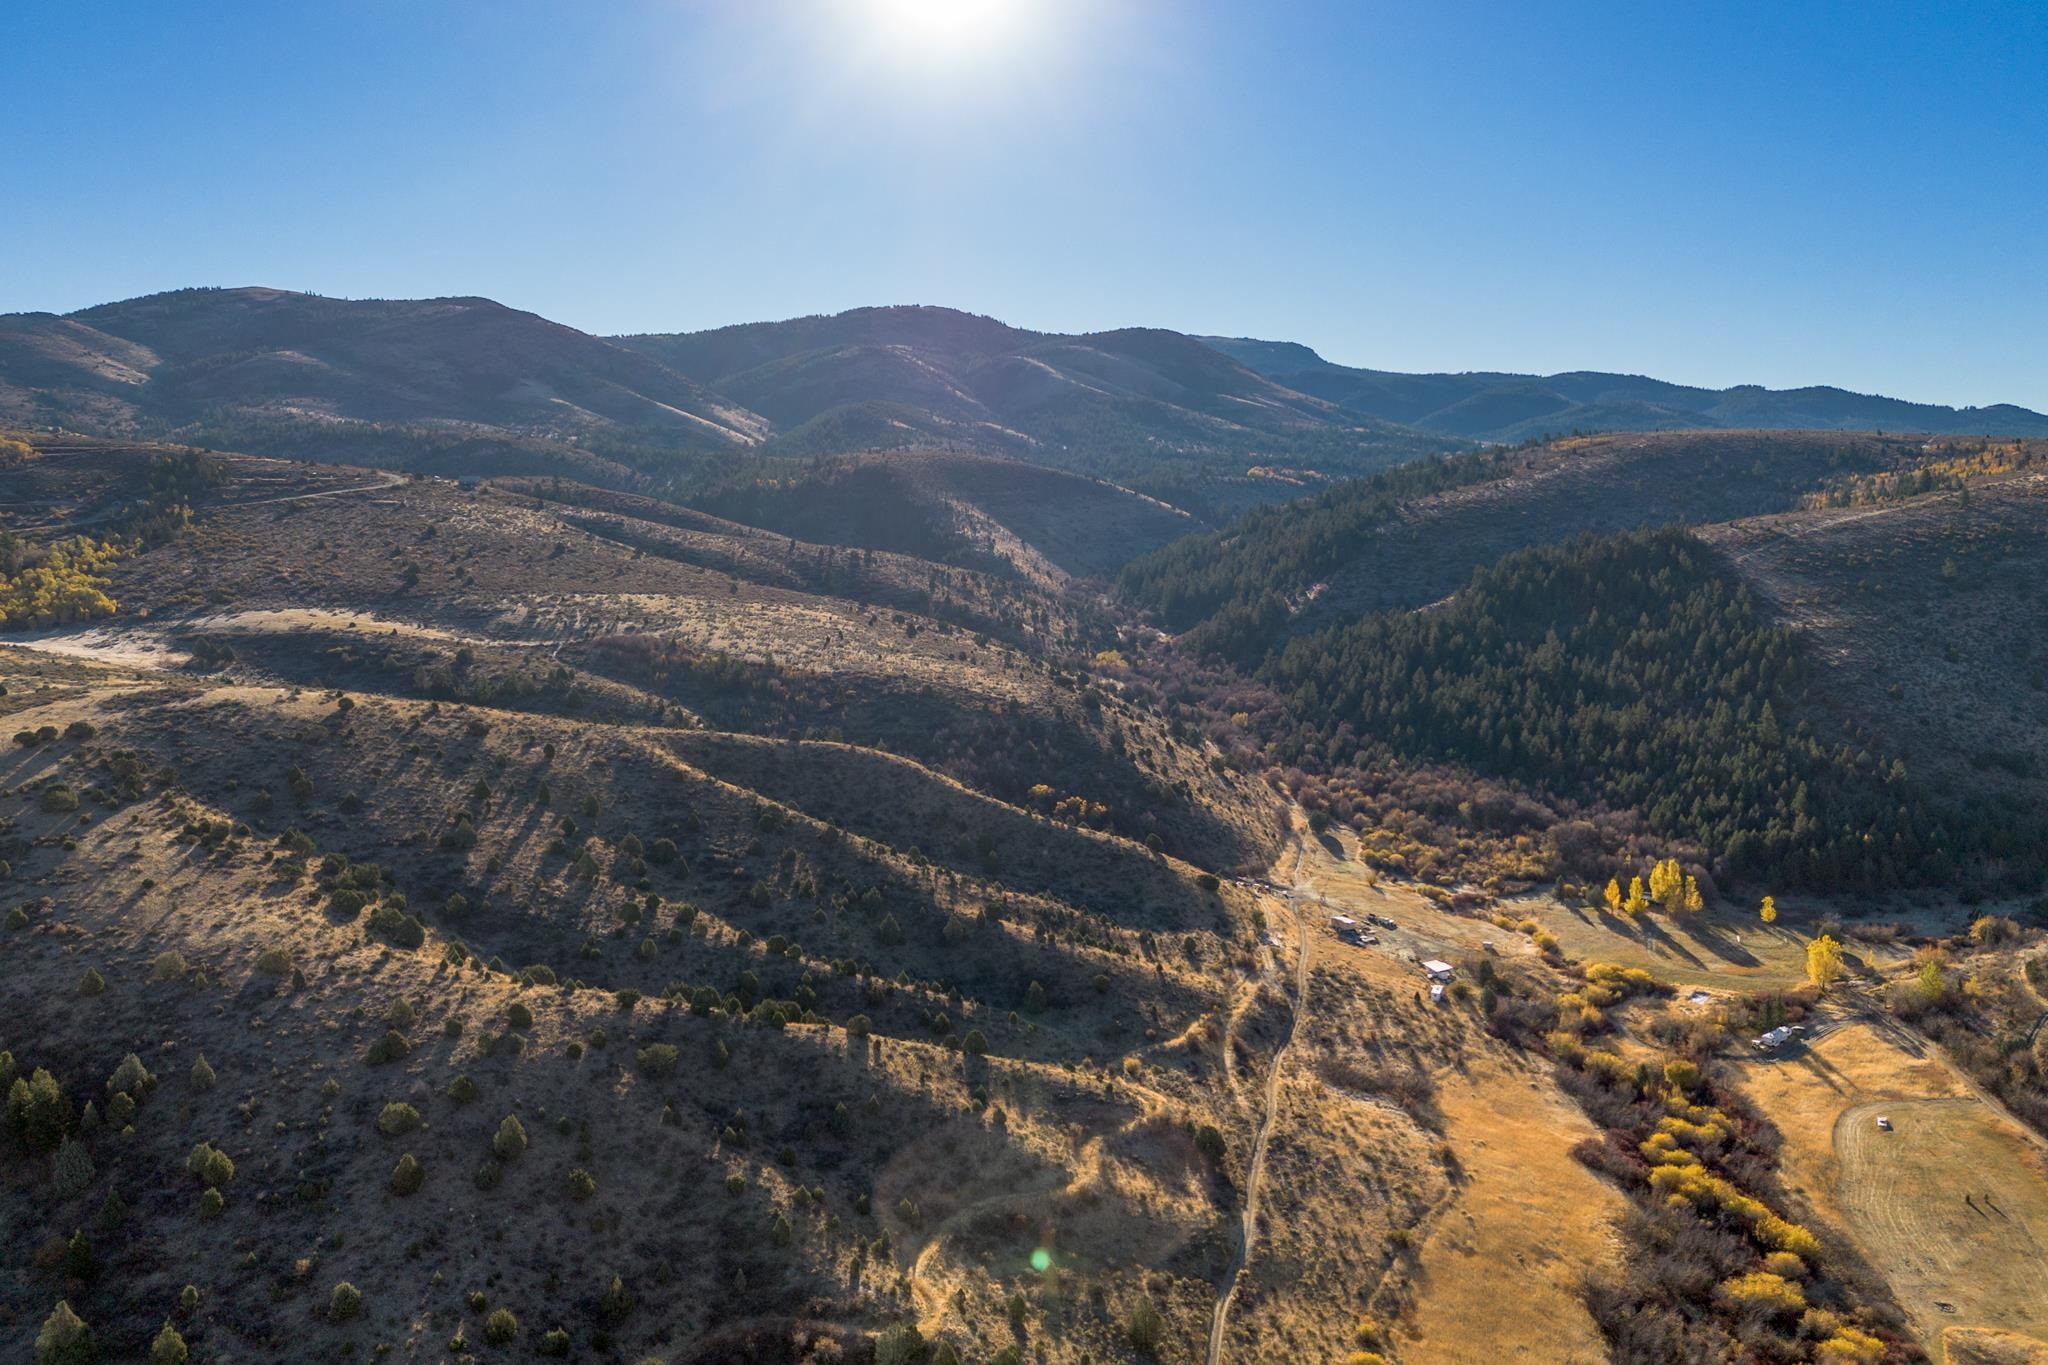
[169, 966]
[462, 1090]
[657, 1059]
[518, 1015]
[390, 1048]
[274, 961]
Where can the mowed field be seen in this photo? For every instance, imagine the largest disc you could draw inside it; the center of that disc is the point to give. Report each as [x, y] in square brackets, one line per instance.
[1951, 1206]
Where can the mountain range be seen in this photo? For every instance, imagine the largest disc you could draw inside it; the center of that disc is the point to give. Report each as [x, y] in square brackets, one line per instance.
[467, 385]
[1514, 407]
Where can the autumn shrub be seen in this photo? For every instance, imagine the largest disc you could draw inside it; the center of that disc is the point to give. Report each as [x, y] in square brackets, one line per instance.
[1760, 1289]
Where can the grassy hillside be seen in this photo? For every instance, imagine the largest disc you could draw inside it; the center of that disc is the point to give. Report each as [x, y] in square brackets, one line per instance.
[794, 904]
[1923, 620]
[1021, 518]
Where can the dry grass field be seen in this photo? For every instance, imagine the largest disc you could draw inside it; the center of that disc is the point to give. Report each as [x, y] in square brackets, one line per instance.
[1924, 618]
[1420, 1172]
[1951, 1206]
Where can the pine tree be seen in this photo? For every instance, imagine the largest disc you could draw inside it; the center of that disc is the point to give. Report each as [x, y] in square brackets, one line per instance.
[168, 1348]
[65, 1339]
[73, 1169]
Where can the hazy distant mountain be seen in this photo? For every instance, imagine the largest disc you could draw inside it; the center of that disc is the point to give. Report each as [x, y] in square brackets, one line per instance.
[1513, 407]
[271, 370]
[465, 385]
[1133, 404]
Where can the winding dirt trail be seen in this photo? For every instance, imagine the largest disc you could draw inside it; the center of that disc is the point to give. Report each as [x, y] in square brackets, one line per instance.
[1249, 1221]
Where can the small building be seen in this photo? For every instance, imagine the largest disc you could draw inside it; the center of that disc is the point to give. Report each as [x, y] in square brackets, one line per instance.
[1436, 992]
[1438, 971]
[1343, 921]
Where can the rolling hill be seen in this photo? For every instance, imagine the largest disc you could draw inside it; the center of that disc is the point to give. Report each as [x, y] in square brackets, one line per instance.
[1514, 407]
[1410, 537]
[218, 363]
[540, 919]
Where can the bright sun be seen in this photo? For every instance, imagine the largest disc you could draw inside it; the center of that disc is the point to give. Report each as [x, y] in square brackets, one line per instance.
[948, 28]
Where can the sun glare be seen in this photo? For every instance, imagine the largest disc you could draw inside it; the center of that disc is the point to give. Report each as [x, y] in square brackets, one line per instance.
[948, 28]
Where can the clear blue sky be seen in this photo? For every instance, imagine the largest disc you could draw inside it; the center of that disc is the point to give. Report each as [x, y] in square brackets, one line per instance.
[1783, 192]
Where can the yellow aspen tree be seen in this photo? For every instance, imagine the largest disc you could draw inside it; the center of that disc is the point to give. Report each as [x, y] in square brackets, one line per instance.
[1666, 884]
[1694, 901]
[1823, 961]
[1769, 913]
[1613, 895]
[1637, 902]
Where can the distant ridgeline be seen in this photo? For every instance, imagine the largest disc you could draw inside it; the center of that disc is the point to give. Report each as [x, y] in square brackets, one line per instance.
[1629, 670]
